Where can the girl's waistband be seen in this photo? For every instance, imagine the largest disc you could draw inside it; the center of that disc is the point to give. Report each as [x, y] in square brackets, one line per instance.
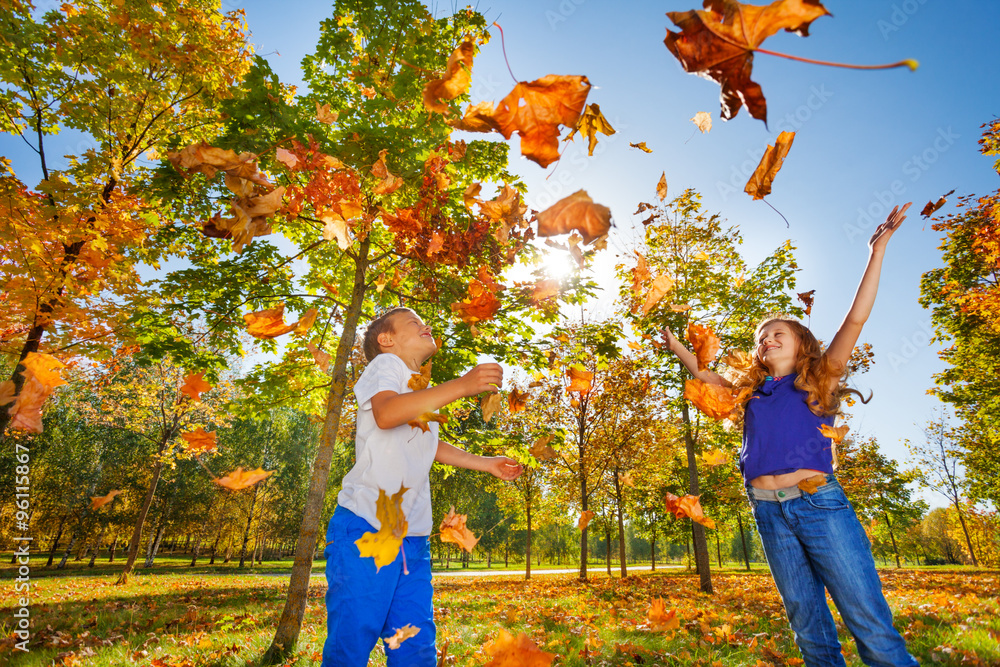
[783, 494]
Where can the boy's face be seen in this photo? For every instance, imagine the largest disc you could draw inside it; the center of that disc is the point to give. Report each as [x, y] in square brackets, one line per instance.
[410, 339]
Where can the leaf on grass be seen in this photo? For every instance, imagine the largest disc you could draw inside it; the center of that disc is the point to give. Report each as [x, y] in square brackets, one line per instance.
[541, 449]
[577, 211]
[705, 344]
[241, 479]
[422, 379]
[718, 43]
[423, 421]
[688, 506]
[807, 299]
[703, 120]
[713, 400]
[401, 635]
[661, 285]
[490, 404]
[812, 484]
[714, 457]
[456, 79]
[759, 185]
[659, 619]
[453, 530]
[199, 440]
[535, 111]
[97, 502]
[932, 207]
[641, 146]
[661, 187]
[384, 544]
[585, 518]
[195, 385]
[321, 358]
[580, 380]
[591, 122]
[505, 650]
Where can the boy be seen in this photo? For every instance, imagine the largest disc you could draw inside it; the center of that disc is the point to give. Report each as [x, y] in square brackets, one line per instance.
[362, 604]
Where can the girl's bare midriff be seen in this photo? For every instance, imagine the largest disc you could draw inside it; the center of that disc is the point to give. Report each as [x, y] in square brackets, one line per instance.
[771, 482]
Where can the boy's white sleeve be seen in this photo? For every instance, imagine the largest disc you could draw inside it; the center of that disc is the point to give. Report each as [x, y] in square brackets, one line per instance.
[386, 372]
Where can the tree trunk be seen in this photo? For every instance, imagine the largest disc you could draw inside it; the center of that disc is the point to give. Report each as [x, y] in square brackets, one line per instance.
[97, 547]
[69, 549]
[743, 539]
[215, 545]
[527, 549]
[895, 550]
[968, 540]
[290, 624]
[652, 551]
[114, 547]
[55, 543]
[698, 531]
[154, 544]
[621, 526]
[246, 531]
[607, 547]
[133, 545]
[718, 549]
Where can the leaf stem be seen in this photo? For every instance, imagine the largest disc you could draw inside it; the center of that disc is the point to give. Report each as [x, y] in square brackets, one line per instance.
[912, 64]
[776, 211]
[504, 47]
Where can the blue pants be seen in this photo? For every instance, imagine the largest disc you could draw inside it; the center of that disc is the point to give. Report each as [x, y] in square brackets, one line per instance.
[816, 541]
[363, 605]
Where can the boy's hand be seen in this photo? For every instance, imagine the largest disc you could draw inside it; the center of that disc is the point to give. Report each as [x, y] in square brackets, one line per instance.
[505, 468]
[484, 377]
[880, 238]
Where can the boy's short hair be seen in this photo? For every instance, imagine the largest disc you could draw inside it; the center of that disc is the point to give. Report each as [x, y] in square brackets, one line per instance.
[379, 325]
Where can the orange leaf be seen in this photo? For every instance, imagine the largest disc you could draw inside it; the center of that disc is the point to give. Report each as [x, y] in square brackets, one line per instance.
[703, 120]
[577, 211]
[661, 187]
[680, 307]
[45, 368]
[705, 344]
[713, 400]
[453, 530]
[286, 157]
[305, 323]
[759, 185]
[812, 484]
[517, 400]
[194, 385]
[480, 304]
[544, 289]
[388, 183]
[268, 323]
[26, 413]
[535, 110]
[579, 380]
[714, 457]
[834, 433]
[659, 619]
[456, 79]
[626, 478]
[97, 502]
[401, 635]
[199, 440]
[384, 545]
[420, 380]
[661, 285]
[7, 394]
[541, 450]
[490, 405]
[241, 479]
[634, 345]
[324, 115]
[718, 43]
[739, 360]
[477, 118]
[321, 358]
[585, 518]
[688, 506]
[507, 651]
[422, 422]
[641, 146]
[807, 299]
[640, 274]
[932, 207]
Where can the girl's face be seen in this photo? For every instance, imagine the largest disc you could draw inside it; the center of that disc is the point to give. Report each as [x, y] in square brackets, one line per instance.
[777, 347]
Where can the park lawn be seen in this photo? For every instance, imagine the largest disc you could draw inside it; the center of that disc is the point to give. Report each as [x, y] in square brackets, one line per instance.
[184, 620]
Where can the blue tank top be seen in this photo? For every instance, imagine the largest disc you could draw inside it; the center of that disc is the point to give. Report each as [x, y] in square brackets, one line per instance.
[781, 434]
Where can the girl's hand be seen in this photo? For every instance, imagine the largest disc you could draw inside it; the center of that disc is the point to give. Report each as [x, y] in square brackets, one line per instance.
[669, 338]
[880, 238]
[504, 468]
[484, 377]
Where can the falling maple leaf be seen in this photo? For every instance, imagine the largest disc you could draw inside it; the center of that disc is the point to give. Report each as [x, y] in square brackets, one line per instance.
[45, 368]
[759, 185]
[456, 79]
[541, 449]
[807, 299]
[812, 484]
[659, 619]
[199, 440]
[490, 404]
[714, 400]
[195, 385]
[479, 304]
[634, 346]
[507, 651]
[641, 146]
[591, 122]
[834, 433]
[739, 360]
[286, 157]
[241, 479]
[680, 307]
[661, 187]
[420, 380]
[324, 115]
[97, 502]
[422, 422]
[535, 111]
[477, 118]
[932, 207]
[384, 544]
[626, 479]
[714, 457]
[321, 358]
[580, 380]
[388, 183]
[401, 635]
[26, 413]
[585, 518]
[705, 344]
[270, 323]
[517, 400]
[577, 211]
[453, 530]
[688, 506]
[7, 394]
[703, 120]
[544, 289]
[717, 43]
[335, 227]
[661, 285]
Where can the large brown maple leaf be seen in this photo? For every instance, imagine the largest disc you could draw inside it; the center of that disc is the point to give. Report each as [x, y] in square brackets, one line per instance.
[718, 43]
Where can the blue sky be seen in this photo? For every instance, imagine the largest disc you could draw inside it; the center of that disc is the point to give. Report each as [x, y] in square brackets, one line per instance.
[864, 142]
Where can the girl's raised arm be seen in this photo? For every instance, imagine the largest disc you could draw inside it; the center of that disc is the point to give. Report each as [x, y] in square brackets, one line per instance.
[691, 362]
[842, 345]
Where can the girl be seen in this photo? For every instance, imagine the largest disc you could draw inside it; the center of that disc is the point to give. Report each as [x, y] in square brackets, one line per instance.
[811, 535]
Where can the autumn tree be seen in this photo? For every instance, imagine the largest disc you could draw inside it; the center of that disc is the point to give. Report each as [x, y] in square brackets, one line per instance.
[125, 78]
[688, 271]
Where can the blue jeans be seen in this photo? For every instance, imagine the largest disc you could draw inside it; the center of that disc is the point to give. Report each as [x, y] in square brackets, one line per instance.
[814, 542]
[363, 605]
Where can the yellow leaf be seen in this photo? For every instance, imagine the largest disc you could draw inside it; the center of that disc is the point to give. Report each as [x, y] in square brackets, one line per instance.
[661, 285]
[541, 450]
[703, 120]
[661, 187]
[423, 420]
[659, 619]
[97, 502]
[384, 545]
[714, 457]
[591, 122]
[420, 380]
[812, 484]
[453, 530]
[641, 146]
[401, 635]
[585, 518]
[241, 479]
[490, 404]
[45, 368]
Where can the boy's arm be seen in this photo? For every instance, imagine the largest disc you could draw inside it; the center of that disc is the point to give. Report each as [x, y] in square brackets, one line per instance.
[391, 409]
[691, 362]
[498, 466]
[842, 345]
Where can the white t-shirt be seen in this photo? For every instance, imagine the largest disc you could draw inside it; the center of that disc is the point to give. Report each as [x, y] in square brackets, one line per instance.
[386, 458]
